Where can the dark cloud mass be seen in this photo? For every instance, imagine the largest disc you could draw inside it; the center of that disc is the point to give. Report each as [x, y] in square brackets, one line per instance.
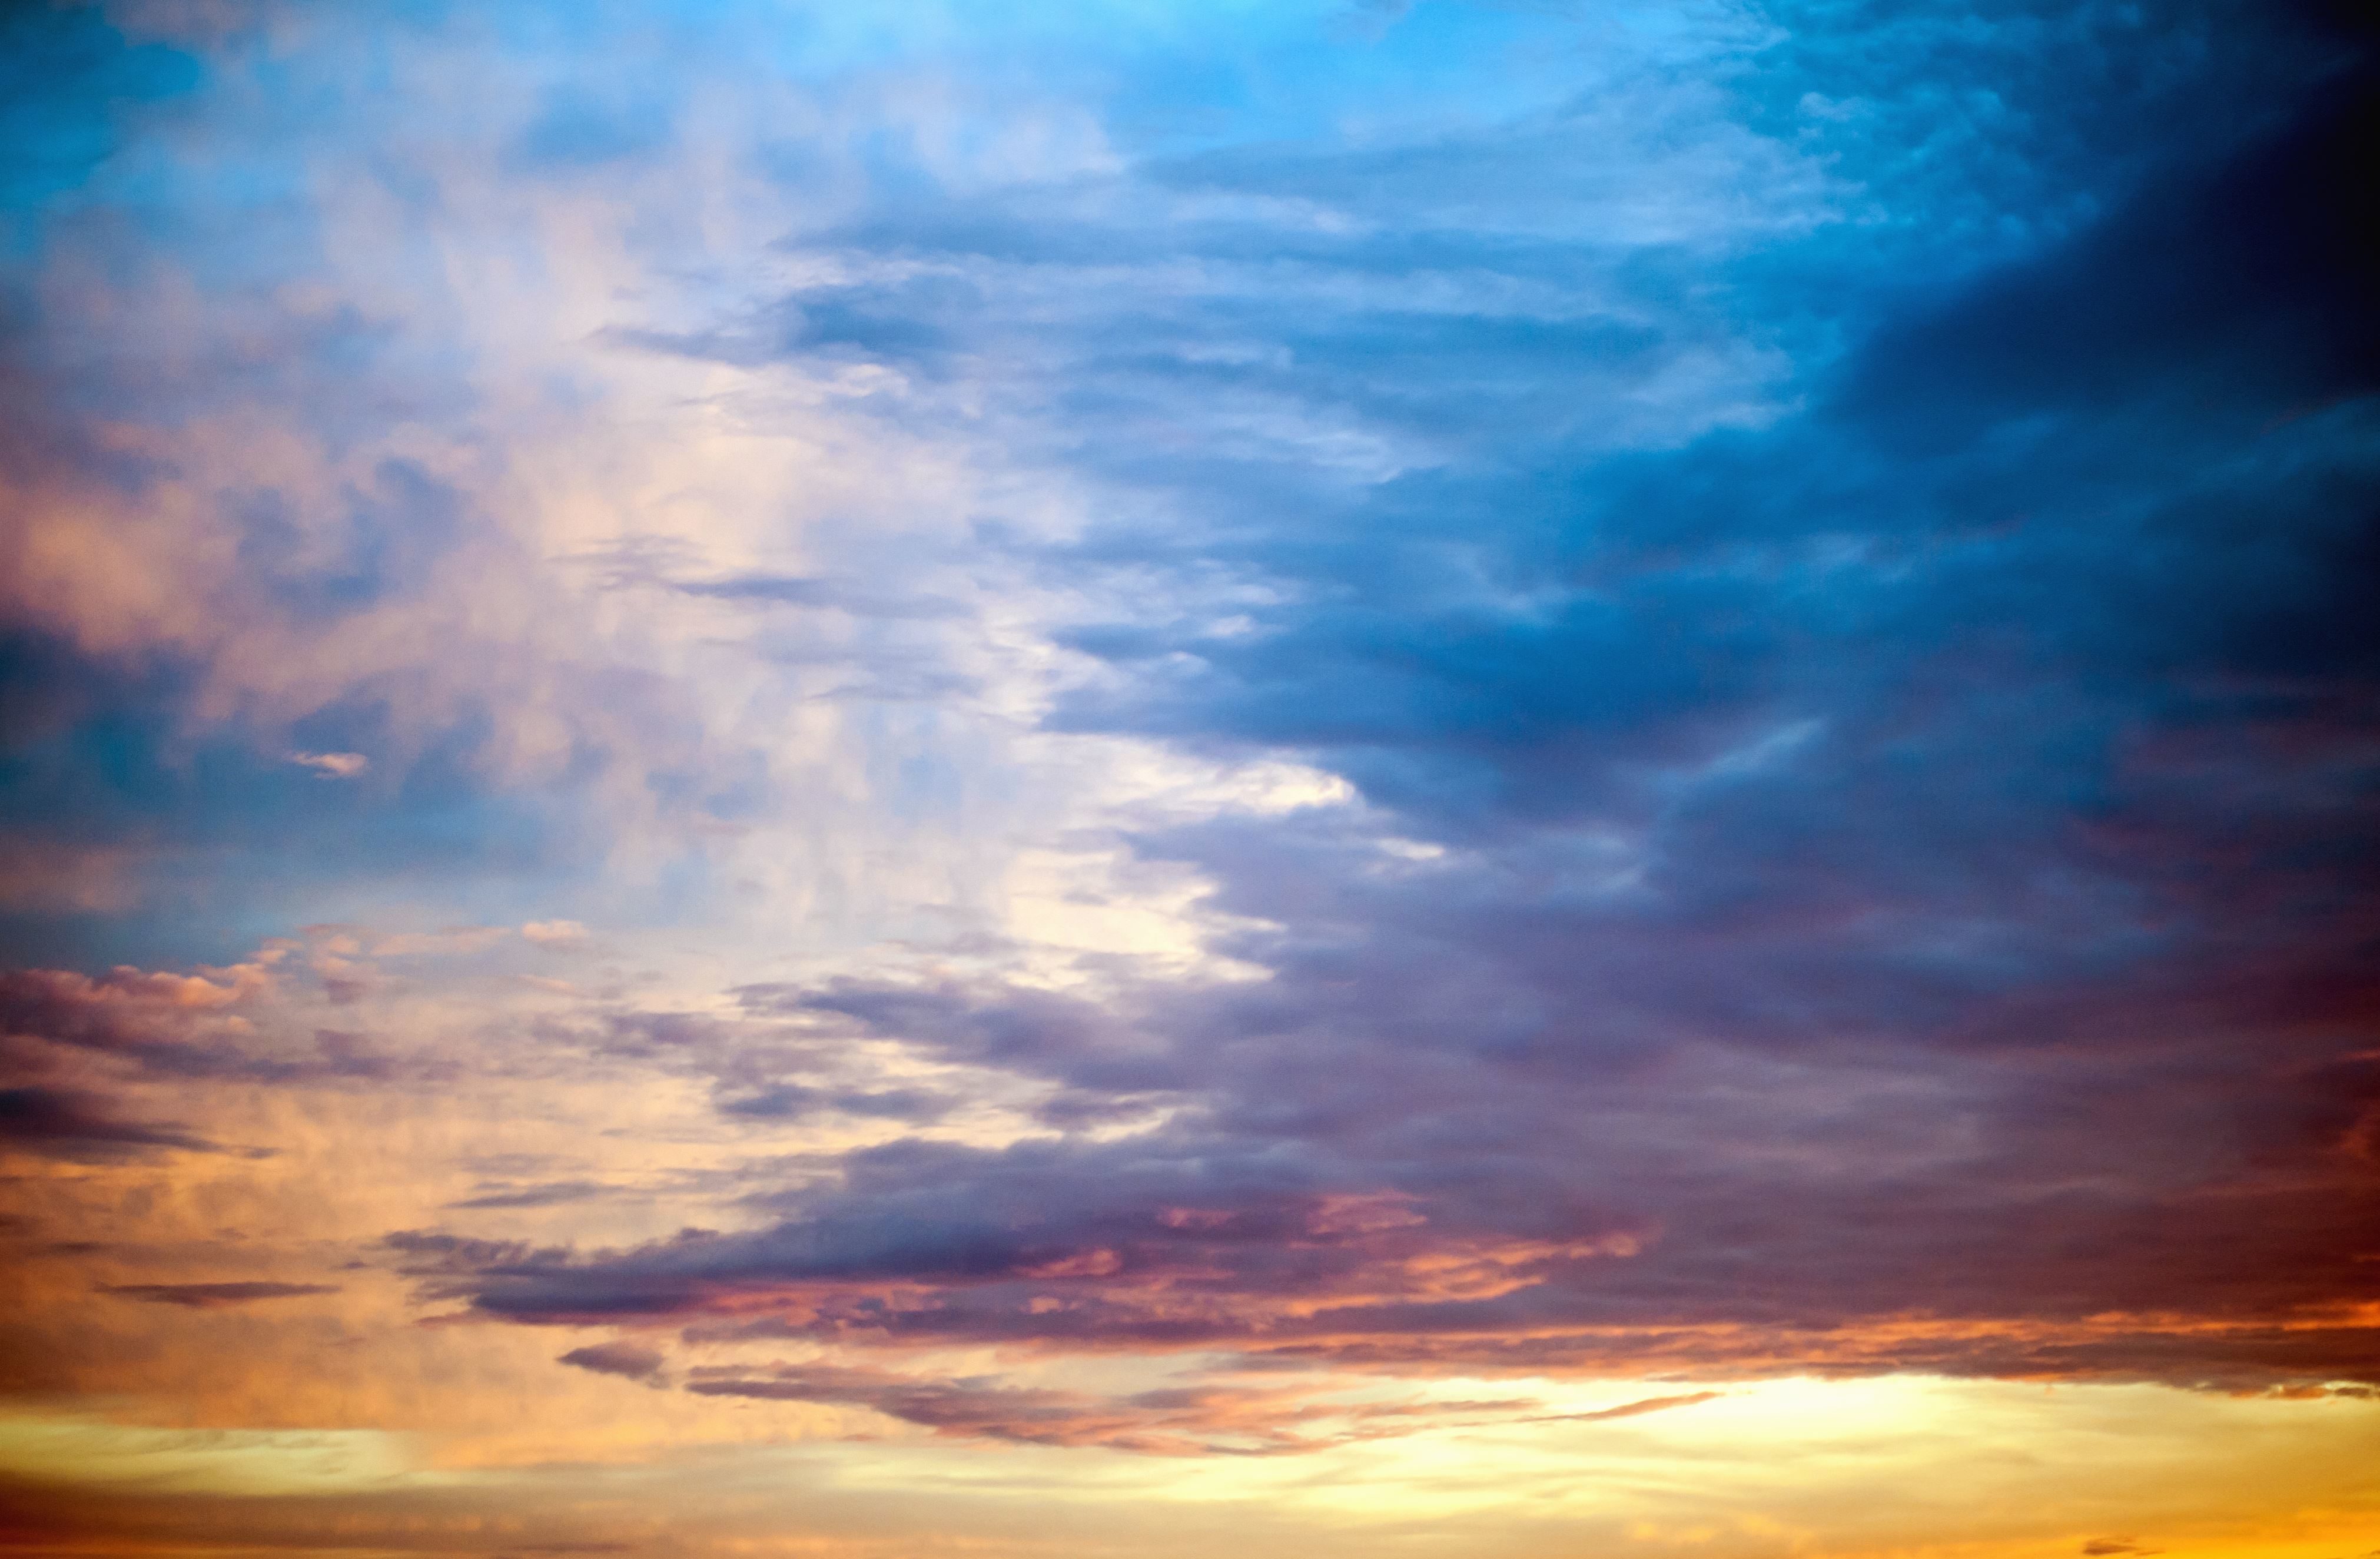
[1881, 884]
[69, 1124]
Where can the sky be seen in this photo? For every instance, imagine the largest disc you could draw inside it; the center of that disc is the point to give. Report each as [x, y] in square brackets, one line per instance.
[1438, 778]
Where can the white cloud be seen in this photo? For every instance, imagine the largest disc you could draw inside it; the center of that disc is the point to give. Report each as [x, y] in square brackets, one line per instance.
[554, 934]
[333, 765]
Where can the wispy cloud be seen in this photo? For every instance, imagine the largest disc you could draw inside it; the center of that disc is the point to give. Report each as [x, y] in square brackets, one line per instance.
[210, 1295]
[333, 765]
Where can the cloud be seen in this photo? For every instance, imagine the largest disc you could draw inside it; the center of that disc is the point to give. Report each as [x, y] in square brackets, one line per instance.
[1814, 569]
[212, 1296]
[333, 765]
[795, 1102]
[554, 934]
[555, 1194]
[234, 1022]
[69, 1124]
[1891, 824]
[1643, 1405]
[628, 1360]
[1190, 1420]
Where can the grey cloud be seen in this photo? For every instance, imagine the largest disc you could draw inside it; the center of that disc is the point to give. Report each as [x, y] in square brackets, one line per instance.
[795, 1102]
[551, 1194]
[629, 1360]
[70, 1123]
[782, 590]
[213, 1295]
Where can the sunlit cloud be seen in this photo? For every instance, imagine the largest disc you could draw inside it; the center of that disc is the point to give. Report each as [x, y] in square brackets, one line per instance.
[333, 765]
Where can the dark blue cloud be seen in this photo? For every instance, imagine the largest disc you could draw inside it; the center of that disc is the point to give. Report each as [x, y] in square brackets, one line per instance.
[1863, 711]
[64, 1123]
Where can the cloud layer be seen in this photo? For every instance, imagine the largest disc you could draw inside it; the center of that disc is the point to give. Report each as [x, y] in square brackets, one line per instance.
[1203, 731]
